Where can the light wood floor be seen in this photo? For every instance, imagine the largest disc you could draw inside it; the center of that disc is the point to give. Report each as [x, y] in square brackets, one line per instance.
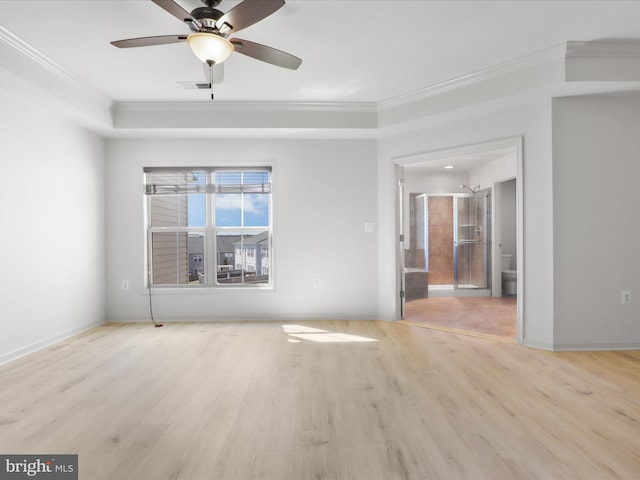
[486, 316]
[356, 400]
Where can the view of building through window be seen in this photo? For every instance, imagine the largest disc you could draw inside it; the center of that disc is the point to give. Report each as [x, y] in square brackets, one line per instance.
[209, 227]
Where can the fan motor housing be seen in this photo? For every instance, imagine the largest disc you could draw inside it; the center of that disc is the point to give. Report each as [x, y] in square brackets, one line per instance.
[207, 16]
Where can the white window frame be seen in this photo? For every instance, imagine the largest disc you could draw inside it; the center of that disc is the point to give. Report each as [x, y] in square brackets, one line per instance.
[211, 231]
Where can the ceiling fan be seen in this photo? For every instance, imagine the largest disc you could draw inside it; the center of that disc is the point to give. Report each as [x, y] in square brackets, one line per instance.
[210, 30]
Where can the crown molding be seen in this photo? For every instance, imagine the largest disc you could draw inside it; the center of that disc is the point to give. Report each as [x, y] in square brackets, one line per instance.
[628, 48]
[245, 115]
[547, 55]
[250, 106]
[360, 118]
[40, 58]
[542, 72]
[54, 84]
[603, 61]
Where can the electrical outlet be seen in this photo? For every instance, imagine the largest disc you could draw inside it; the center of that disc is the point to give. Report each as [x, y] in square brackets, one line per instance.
[369, 227]
[626, 296]
[125, 284]
[316, 283]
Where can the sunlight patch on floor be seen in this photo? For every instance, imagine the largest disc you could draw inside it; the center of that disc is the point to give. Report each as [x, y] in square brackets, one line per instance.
[297, 333]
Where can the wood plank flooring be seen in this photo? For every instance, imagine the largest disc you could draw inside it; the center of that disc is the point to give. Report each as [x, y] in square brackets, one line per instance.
[486, 316]
[323, 400]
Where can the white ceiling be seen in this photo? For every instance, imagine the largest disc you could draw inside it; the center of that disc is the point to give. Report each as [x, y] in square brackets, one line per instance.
[352, 50]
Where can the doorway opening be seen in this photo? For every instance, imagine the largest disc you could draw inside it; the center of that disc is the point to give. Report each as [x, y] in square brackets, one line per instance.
[460, 247]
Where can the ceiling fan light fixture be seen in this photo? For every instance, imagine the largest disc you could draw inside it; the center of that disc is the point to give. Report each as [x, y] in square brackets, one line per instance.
[209, 47]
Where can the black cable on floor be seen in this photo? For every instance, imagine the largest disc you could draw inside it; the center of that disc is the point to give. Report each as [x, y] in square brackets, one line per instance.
[150, 301]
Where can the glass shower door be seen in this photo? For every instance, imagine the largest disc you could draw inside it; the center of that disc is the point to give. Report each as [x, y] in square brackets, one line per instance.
[416, 260]
[470, 242]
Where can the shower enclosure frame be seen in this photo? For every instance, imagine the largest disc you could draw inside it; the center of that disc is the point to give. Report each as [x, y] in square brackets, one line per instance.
[458, 288]
[480, 228]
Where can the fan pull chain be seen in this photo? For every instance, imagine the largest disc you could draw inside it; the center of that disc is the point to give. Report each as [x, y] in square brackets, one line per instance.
[211, 78]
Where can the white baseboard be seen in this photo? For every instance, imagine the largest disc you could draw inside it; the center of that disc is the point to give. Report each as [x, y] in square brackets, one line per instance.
[533, 343]
[34, 347]
[580, 346]
[592, 346]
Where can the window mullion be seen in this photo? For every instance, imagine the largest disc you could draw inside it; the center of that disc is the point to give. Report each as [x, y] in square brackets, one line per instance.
[244, 251]
[211, 268]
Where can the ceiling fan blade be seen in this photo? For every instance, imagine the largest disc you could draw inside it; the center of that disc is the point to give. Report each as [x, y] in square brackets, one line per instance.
[177, 11]
[214, 73]
[266, 54]
[247, 13]
[149, 41]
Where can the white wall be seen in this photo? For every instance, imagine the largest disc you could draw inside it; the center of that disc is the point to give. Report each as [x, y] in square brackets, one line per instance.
[498, 170]
[52, 216]
[596, 190]
[530, 121]
[434, 182]
[324, 192]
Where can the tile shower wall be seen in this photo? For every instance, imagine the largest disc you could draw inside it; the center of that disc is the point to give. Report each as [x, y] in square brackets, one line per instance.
[440, 240]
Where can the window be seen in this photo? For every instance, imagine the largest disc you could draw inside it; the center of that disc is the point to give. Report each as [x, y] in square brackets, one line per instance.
[208, 227]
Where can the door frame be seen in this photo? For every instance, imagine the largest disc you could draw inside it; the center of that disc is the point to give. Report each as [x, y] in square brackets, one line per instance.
[399, 162]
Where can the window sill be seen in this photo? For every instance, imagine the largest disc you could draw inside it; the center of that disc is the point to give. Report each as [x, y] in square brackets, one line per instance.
[206, 290]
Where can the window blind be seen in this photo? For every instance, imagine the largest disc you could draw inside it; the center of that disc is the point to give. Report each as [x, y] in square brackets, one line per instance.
[171, 181]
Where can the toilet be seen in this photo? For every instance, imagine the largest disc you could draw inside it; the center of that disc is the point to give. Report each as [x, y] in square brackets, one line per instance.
[509, 277]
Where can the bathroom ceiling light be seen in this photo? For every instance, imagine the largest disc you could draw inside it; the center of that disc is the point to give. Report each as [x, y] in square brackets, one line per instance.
[448, 167]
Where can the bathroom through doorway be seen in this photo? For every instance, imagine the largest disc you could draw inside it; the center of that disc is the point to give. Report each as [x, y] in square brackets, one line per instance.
[460, 239]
